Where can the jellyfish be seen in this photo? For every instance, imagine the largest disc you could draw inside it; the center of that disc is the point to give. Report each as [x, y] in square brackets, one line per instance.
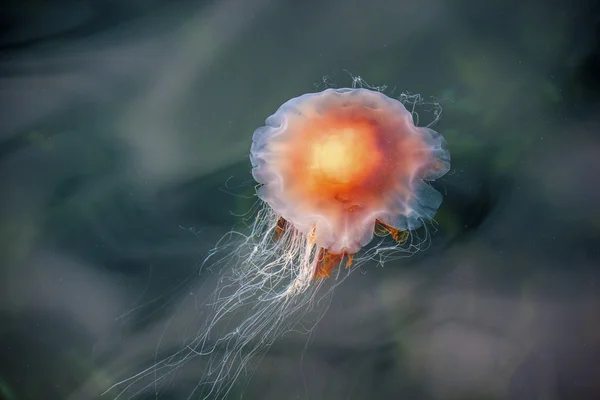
[334, 169]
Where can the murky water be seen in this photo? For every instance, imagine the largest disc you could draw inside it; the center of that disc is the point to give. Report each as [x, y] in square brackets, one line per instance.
[125, 132]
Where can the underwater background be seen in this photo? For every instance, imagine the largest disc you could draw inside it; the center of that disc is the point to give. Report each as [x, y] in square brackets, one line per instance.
[125, 129]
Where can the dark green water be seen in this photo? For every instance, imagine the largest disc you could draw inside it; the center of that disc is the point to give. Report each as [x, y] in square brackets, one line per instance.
[124, 140]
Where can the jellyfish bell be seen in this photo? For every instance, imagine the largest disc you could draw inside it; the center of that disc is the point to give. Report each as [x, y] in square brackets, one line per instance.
[338, 164]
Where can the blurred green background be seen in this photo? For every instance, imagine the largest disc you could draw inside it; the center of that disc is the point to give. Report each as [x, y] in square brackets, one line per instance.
[124, 137]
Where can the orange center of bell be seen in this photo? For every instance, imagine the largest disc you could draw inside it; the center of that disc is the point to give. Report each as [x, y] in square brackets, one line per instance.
[342, 156]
